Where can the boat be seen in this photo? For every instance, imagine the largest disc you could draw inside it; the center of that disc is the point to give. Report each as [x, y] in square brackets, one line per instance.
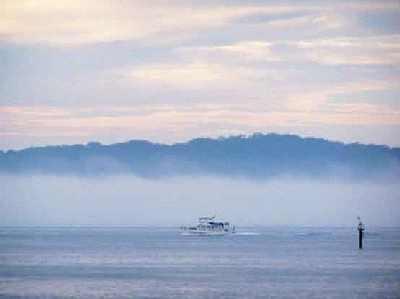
[207, 226]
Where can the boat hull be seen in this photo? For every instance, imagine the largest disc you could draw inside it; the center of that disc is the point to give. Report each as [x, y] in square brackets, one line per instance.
[207, 226]
[205, 233]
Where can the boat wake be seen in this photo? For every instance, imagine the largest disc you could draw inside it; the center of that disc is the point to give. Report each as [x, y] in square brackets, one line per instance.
[247, 234]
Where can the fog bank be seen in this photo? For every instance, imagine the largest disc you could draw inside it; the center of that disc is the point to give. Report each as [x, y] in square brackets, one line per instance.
[129, 200]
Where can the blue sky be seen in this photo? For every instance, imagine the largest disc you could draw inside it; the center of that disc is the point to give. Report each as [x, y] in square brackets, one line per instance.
[168, 71]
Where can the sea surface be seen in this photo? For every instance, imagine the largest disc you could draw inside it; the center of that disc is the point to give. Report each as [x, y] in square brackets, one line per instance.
[258, 262]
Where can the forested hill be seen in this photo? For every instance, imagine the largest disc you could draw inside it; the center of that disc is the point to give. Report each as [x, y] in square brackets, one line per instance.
[255, 156]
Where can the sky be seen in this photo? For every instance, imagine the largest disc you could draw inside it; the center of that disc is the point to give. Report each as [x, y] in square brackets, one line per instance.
[168, 71]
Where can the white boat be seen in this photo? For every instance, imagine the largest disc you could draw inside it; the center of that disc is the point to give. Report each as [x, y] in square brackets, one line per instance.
[208, 227]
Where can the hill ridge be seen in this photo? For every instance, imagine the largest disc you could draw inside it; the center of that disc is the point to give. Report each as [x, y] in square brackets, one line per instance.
[257, 155]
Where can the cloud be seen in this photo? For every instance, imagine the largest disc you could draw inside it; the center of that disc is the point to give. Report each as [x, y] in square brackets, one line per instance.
[76, 22]
[191, 67]
[193, 75]
[321, 21]
[180, 122]
[321, 104]
[246, 50]
[376, 50]
[201, 75]
[371, 50]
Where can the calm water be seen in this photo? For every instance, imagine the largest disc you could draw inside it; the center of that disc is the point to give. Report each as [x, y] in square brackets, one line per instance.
[159, 263]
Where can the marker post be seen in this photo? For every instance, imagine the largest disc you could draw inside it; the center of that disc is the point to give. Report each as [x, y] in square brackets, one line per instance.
[361, 229]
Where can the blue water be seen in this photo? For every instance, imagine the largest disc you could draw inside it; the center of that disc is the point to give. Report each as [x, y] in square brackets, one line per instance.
[159, 263]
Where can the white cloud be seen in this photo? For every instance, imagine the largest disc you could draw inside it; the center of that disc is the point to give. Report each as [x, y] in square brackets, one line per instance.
[73, 22]
[372, 50]
[322, 21]
[256, 73]
[184, 121]
[246, 50]
[353, 50]
[183, 76]
[197, 75]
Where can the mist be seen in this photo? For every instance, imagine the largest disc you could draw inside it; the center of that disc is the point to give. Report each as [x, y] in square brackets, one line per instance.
[133, 201]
